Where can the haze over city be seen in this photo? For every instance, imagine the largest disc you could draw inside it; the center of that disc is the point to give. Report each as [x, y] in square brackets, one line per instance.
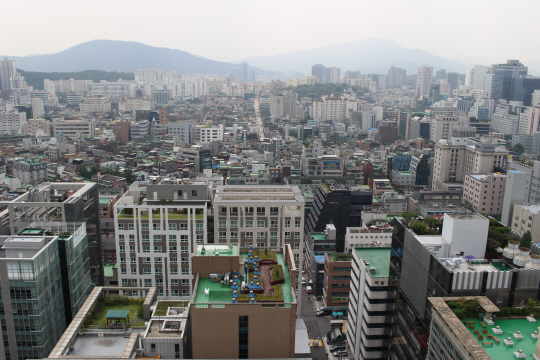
[316, 180]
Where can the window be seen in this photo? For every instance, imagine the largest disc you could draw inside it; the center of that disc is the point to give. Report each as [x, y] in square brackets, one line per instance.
[133, 271]
[132, 248]
[159, 271]
[174, 271]
[184, 260]
[234, 210]
[296, 223]
[122, 249]
[121, 226]
[260, 235]
[234, 234]
[193, 192]
[158, 260]
[172, 249]
[199, 238]
[145, 237]
[172, 226]
[148, 282]
[222, 234]
[273, 234]
[120, 237]
[261, 245]
[147, 260]
[123, 271]
[157, 249]
[273, 223]
[261, 210]
[157, 237]
[156, 226]
[297, 234]
[234, 223]
[273, 245]
[144, 226]
[185, 292]
[287, 234]
[222, 223]
[287, 223]
[296, 245]
[184, 249]
[173, 260]
[133, 282]
[172, 238]
[183, 226]
[249, 235]
[199, 226]
[183, 238]
[131, 238]
[296, 257]
[133, 260]
[122, 260]
[274, 211]
[131, 226]
[147, 271]
[124, 282]
[249, 223]
[185, 282]
[261, 223]
[185, 271]
[174, 282]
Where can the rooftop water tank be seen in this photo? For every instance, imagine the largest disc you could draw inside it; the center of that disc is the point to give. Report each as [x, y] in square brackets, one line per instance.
[523, 257]
[534, 263]
[511, 251]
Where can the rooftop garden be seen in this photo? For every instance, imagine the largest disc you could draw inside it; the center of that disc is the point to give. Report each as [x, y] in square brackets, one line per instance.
[342, 257]
[277, 295]
[163, 306]
[265, 255]
[106, 303]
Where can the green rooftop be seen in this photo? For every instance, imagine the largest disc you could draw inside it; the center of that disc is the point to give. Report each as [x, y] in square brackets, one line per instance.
[509, 327]
[31, 231]
[216, 250]
[108, 269]
[378, 257]
[104, 200]
[318, 236]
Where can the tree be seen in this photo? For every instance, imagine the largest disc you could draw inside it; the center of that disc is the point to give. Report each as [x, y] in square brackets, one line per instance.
[128, 175]
[518, 148]
[492, 245]
[409, 215]
[419, 227]
[526, 240]
[83, 171]
[433, 223]
[94, 169]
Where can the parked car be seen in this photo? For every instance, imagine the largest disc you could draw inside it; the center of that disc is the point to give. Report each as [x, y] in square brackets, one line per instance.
[339, 352]
[337, 348]
[309, 290]
[323, 312]
[303, 281]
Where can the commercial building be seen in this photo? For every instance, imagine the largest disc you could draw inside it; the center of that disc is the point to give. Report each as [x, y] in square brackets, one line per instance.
[393, 203]
[376, 232]
[452, 161]
[11, 122]
[182, 130]
[200, 157]
[95, 104]
[420, 169]
[155, 235]
[514, 194]
[370, 286]
[318, 244]
[424, 79]
[122, 131]
[246, 312]
[208, 134]
[485, 192]
[338, 205]
[45, 280]
[404, 178]
[396, 77]
[337, 281]
[419, 128]
[442, 127]
[74, 129]
[139, 130]
[430, 198]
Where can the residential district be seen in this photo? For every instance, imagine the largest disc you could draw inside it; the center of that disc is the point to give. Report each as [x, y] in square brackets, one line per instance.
[228, 218]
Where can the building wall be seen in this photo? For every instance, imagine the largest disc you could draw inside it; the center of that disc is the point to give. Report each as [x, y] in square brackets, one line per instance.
[486, 194]
[336, 283]
[526, 218]
[271, 331]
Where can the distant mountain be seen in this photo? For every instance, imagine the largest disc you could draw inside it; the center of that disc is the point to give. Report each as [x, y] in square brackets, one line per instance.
[366, 56]
[123, 56]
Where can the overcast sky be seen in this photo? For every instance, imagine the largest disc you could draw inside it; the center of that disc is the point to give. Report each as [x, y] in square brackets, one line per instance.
[229, 30]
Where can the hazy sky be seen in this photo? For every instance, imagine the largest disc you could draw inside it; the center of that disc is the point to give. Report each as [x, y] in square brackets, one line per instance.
[229, 30]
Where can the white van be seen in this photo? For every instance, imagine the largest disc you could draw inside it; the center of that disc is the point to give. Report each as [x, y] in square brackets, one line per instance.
[303, 281]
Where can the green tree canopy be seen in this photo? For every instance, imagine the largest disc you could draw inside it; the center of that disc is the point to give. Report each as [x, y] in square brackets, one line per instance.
[526, 240]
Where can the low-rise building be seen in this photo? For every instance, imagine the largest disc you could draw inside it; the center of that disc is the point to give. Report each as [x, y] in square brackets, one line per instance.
[337, 280]
[32, 171]
[393, 203]
[526, 217]
[429, 198]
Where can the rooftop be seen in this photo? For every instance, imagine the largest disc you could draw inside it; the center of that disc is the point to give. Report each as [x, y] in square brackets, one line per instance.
[217, 250]
[318, 236]
[378, 257]
[532, 208]
[99, 346]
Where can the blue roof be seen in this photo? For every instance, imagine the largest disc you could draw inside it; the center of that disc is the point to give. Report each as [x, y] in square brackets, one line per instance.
[319, 258]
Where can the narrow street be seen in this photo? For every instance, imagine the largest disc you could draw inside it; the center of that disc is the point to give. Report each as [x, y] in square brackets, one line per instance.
[317, 326]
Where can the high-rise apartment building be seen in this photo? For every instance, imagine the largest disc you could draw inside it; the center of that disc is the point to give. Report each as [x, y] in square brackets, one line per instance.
[7, 70]
[476, 77]
[424, 79]
[396, 77]
[156, 233]
[333, 108]
[11, 122]
[335, 74]
[284, 104]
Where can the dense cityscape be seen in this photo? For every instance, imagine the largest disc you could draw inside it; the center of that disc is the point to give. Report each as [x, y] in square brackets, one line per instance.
[225, 211]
